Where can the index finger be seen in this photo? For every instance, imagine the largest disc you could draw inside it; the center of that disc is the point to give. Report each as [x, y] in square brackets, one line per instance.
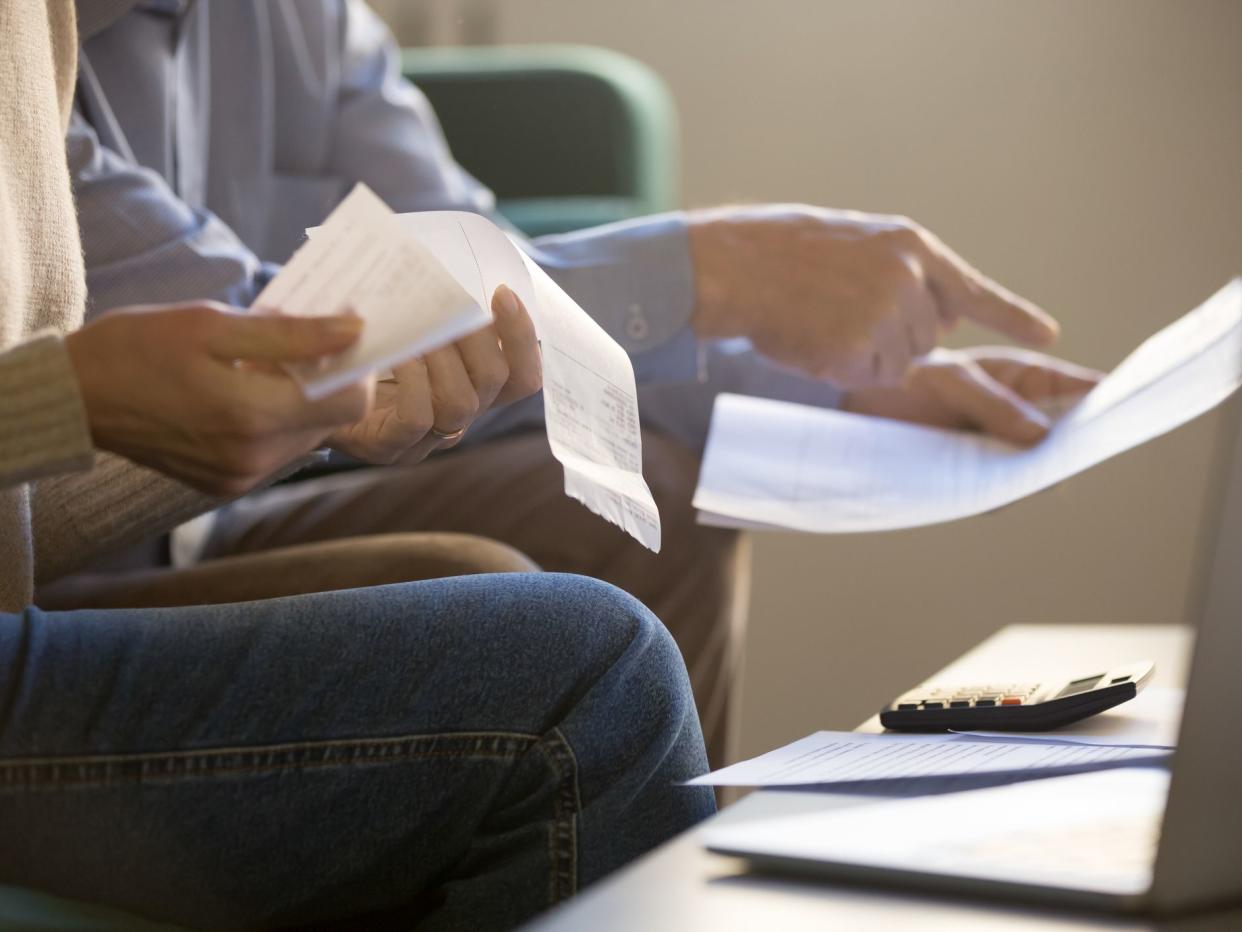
[964, 292]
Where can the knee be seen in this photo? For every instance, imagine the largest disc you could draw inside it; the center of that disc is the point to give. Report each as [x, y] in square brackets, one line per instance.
[652, 684]
[436, 555]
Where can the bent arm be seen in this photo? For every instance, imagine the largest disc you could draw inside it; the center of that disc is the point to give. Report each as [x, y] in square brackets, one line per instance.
[43, 427]
[142, 243]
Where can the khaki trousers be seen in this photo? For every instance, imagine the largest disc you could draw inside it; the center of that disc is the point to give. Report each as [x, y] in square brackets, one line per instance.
[487, 506]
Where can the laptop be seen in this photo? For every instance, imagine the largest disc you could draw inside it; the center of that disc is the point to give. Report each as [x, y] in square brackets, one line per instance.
[1129, 840]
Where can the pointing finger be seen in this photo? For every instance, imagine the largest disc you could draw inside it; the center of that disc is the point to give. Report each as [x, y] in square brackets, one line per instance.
[964, 292]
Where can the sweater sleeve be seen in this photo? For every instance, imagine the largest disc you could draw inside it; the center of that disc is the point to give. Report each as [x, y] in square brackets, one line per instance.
[78, 517]
[81, 515]
[43, 428]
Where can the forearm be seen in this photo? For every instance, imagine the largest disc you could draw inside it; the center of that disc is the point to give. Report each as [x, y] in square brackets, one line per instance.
[79, 516]
[143, 244]
[82, 515]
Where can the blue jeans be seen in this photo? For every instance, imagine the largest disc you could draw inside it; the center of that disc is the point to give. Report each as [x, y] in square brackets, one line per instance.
[468, 751]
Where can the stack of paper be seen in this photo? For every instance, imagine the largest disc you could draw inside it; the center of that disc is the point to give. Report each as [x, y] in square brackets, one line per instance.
[912, 763]
[421, 281]
[769, 463]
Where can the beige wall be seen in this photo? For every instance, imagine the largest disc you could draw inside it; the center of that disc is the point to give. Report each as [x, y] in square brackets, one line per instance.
[1088, 154]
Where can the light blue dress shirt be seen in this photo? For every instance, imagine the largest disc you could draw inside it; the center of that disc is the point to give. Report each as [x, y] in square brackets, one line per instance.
[209, 135]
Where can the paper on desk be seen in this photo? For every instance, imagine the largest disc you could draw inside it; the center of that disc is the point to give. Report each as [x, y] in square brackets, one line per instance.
[1149, 720]
[771, 463]
[841, 757]
[362, 260]
[589, 395]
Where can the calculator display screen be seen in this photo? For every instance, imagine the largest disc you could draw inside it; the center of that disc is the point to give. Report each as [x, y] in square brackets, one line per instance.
[1080, 686]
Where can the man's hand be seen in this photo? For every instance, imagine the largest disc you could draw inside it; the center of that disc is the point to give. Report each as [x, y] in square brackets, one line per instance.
[846, 297]
[995, 389]
[196, 390]
[431, 401]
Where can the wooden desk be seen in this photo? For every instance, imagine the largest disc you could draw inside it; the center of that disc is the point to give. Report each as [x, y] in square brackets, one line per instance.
[680, 886]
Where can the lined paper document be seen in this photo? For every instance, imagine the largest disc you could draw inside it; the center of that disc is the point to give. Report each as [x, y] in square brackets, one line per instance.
[845, 757]
[361, 260]
[590, 398]
[776, 464]
[426, 279]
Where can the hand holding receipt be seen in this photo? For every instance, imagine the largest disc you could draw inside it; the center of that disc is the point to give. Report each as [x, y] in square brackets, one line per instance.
[423, 280]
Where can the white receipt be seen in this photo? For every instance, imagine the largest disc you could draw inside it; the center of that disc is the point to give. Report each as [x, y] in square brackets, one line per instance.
[775, 464]
[362, 260]
[839, 757]
[589, 395]
[425, 279]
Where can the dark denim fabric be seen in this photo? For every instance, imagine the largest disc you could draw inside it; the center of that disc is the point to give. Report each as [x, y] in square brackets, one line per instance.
[472, 750]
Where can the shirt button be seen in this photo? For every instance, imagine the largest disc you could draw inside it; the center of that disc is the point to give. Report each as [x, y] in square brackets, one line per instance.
[636, 326]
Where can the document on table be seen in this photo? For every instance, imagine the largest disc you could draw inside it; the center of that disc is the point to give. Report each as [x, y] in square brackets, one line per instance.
[775, 464]
[423, 280]
[845, 757]
[362, 260]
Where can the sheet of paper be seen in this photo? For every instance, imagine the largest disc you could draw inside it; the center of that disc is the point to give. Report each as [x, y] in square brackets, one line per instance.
[589, 394]
[774, 464]
[1149, 720]
[362, 260]
[1025, 831]
[845, 757]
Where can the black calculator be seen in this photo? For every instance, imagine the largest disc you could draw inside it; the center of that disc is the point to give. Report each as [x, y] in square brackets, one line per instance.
[1005, 706]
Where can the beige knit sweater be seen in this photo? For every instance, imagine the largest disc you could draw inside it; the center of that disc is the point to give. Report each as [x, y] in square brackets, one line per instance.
[60, 504]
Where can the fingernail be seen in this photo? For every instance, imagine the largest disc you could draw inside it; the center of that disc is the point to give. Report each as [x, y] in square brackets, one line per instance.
[343, 324]
[505, 300]
[1034, 425]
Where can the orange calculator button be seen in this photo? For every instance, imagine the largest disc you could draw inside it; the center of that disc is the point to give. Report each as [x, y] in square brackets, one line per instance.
[1011, 700]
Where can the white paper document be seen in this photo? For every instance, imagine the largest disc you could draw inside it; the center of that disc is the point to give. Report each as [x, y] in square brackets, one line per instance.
[845, 757]
[775, 464]
[424, 280]
[361, 260]
[589, 395]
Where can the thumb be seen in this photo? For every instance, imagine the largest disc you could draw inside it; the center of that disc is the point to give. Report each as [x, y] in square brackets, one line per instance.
[980, 400]
[280, 338]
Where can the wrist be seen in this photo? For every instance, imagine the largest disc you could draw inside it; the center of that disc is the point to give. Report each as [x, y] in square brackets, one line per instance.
[717, 249]
[90, 382]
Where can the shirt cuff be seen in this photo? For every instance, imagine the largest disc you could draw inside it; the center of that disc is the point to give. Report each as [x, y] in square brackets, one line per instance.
[43, 426]
[636, 279]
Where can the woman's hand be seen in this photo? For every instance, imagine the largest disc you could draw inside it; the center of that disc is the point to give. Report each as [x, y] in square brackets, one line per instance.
[196, 390]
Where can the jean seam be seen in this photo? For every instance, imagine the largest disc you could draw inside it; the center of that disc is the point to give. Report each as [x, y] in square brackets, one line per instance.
[563, 832]
[161, 766]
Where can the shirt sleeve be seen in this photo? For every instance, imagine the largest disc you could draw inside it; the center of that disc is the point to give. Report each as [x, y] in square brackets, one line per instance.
[142, 243]
[635, 278]
[386, 132]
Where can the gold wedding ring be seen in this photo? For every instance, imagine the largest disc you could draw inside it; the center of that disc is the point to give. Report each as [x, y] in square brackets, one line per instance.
[442, 437]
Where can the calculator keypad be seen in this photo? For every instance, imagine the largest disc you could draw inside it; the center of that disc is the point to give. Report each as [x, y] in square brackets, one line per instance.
[986, 695]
